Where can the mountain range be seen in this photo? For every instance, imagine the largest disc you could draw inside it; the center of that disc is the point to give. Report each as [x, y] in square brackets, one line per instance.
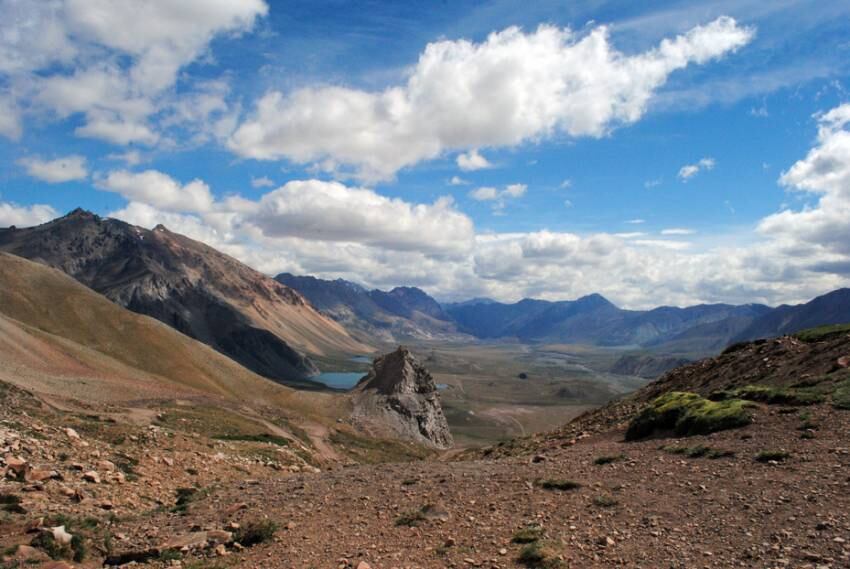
[409, 313]
[265, 326]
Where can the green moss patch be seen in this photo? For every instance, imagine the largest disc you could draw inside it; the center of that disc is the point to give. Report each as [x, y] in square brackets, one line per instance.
[822, 332]
[841, 395]
[528, 534]
[698, 451]
[772, 395]
[688, 414]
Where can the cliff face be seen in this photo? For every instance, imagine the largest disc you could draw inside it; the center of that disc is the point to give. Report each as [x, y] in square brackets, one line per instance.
[399, 394]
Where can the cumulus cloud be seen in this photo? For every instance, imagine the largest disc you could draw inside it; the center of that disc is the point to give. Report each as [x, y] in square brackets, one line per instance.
[330, 211]
[25, 216]
[73, 57]
[458, 181]
[58, 170]
[688, 171]
[10, 122]
[262, 182]
[472, 160]
[825, 173]
[159, 190]
[513, 87]
[498, 197]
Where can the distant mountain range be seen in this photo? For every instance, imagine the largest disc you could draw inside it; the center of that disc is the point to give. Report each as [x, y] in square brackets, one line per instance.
[404, 313]
[409, 313]
[266, 326]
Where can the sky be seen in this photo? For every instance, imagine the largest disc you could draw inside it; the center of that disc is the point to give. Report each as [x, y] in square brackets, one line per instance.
[658, 153]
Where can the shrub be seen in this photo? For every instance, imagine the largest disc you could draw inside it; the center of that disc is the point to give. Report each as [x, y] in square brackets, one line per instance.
[772, 456]
[556, 484]
[261, 438]
[528, 534]
[699, 451]
[771, 395]
[76, 550]
[609, 459]
[411, 519]
[605, 501]
[255, 532]
[841, 395]
[688, 414]
[534, 554]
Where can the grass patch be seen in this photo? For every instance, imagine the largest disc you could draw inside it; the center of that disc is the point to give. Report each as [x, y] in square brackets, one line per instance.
[185, 497]
[773, 456]
[260, 438]
[11, 503]
[841, 395]
[698, 451]
[411, 519]
[558, 484]
[375, 451]
[602, 460]
[76, 550]
[528, 534]
[255, 532]
[538, 554]
[605, 501]
[772, 395]
[688, 414]
[822, 332]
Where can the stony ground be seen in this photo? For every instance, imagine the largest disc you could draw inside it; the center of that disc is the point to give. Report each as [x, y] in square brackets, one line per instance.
[646, 507]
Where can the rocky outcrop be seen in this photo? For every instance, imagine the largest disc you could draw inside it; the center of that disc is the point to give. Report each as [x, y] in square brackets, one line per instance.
[399, 394]
[646, 366]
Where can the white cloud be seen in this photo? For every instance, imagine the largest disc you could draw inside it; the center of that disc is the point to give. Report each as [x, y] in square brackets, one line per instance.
[471, 161]
[485, 193]
[25, 216]
[56, 171]
[159, 190]
[458, 181]
[131, 157]
[330, 211]
[636, 221]
[649, 184]
[513, 87]
[10, 122]
[688, 171]
[824, 172]
[566, 184]
[677, 231]
[262, 182]
[498, 197]
[74, 57]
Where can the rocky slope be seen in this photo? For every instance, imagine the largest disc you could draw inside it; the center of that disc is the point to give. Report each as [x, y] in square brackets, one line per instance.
[401, 314]
[265, 326]
[645, 365]
[770, 494]
[398, 394]
[831, 308]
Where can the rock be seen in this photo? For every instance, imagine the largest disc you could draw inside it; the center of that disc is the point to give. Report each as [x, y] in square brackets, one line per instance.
[106, 466]
[92, 476]
[26, 554]
[71, 433]
[217, 536]
[60, 536]
[363, 565]
[400, 395]
[844, 361]
[194, 540]
[220, 550]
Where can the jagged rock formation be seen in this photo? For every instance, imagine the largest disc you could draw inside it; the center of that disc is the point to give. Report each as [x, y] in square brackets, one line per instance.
[201, 292]
[400, 395]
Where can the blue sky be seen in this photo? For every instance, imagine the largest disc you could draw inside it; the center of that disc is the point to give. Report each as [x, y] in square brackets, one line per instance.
[656, 152]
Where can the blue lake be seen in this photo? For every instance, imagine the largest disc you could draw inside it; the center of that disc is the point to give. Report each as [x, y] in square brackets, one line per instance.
[339, 379]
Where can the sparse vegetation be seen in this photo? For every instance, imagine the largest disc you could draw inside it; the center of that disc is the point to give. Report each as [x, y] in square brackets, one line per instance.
[841, 395]
[605, 501]
[773, 456]
[538, 554]
[558, 484]
[822, 332]
[255, 532]
[11, 503]
[602, 460]
[258, 438]
[76, 550]
[528, 534]
[411, 519]
[772, 395]
[688, 414]
[698, 451]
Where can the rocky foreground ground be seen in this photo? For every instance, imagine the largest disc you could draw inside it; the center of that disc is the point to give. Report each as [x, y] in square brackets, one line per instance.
[773, 493]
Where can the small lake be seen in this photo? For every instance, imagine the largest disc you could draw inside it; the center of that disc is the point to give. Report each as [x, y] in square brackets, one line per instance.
[339, 379]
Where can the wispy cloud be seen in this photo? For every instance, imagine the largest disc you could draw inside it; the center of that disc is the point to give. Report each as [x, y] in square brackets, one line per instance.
[688, 171]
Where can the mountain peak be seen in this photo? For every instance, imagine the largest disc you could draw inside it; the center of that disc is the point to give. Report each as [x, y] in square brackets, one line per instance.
[80, 213]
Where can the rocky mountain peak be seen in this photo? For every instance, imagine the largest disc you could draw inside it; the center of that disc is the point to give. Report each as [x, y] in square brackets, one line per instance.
[399, 393]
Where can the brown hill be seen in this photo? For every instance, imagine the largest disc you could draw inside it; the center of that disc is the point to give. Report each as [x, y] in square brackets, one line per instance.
[197, 290]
